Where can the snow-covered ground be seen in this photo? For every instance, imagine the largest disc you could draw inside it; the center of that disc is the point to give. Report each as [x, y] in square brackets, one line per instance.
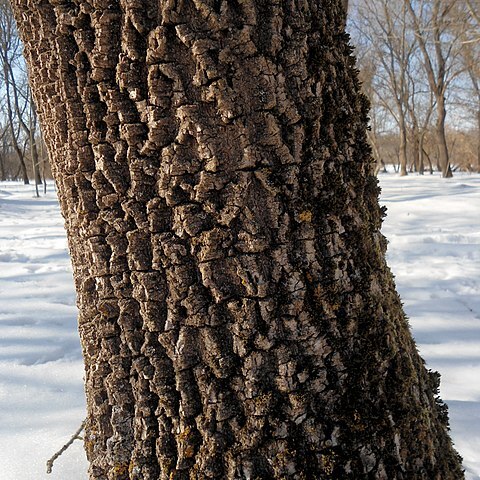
[41, 392]
[433, 226]
[434, 232]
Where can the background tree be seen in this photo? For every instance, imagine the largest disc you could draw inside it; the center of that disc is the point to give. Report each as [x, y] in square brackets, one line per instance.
[384, 24]
[471, 61]
[406, 90]
[367, 72]
[420, 106]
[439, 44]
[16, 108]
[10, 51]
[236, 313]
[3, 150]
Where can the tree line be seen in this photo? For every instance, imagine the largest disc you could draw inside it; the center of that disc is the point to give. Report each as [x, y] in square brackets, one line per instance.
[22, 153]
[420, 67]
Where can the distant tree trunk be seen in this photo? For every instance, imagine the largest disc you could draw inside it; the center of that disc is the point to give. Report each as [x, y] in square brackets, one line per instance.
[35, 162]
[437, 63]
[416, 161]
[3, 173]
[421, 153]
[34, 156]
[379, 163]
[430, 165]
[443, 156]
[237, 317]
[345, 11]
[470, 58]
[478, 141]
[14, 136]
[403, 151]
[22, 167]
[3, 154]
[34, 153]
[21, 159]
[27, 129]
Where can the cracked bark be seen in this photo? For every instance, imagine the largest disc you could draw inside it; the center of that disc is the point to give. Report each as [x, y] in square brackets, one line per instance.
[236, 314]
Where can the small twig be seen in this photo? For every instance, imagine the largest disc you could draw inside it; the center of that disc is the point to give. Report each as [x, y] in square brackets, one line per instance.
[75, 436]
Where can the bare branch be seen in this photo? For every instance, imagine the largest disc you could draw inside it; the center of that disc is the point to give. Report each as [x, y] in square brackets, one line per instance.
[75, 436]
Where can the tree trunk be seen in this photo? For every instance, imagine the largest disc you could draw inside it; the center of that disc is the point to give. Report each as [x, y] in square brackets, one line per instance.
[478, 141]
[378, 161]
[443, 156]
[33, 149]
[14, 132]
[416, 153]
[345, 11]
[403, 151]
[421, 153]
[417, 161]
[21, 159]
[237, 317]
[35, 162]
[3, 174]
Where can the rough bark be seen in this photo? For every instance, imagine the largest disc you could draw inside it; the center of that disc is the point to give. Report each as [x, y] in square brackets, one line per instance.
[237, 317]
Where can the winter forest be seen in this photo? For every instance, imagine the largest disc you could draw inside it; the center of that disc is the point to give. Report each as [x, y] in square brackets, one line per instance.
[225, 268]
[419, 63]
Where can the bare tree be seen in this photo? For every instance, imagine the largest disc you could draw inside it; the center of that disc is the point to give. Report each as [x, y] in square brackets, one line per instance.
[395, 85]
[21, 117]
[367, 71]
[23, 104]
[471, 61]
[420, 105]
[401, 86]
[440, 46]
[10, 51]
[385, 24]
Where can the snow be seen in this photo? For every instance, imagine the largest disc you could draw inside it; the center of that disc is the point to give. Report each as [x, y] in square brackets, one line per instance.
[433, 228]
[41, 391]
[434, 234]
